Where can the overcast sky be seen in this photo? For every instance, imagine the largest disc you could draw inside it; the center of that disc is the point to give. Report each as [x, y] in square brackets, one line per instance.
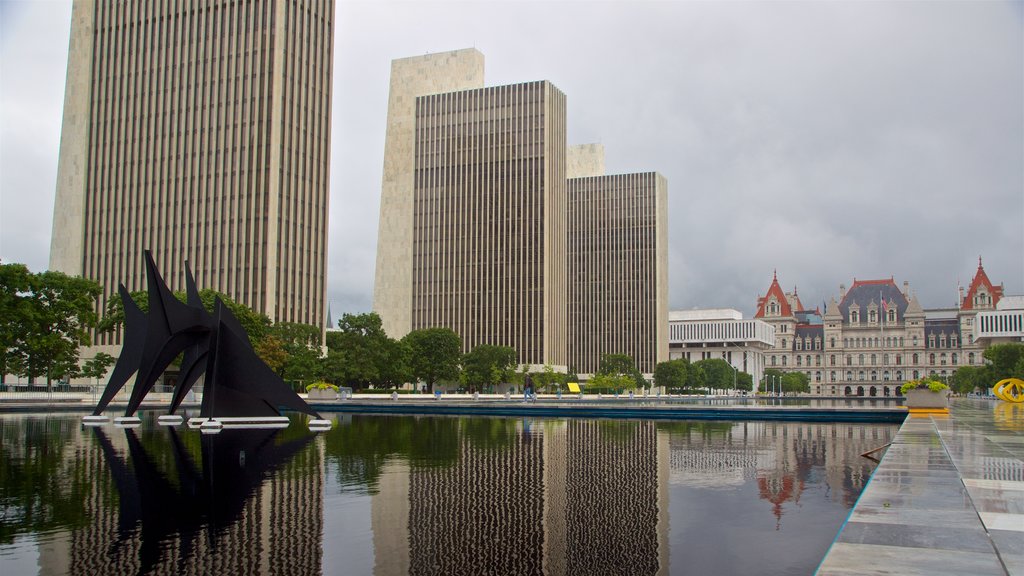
[829, 141]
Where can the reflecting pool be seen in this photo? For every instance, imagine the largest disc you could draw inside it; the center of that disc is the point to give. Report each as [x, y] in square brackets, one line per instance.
[428, 495]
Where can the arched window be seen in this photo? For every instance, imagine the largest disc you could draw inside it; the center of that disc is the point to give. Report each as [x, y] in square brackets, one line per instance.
[832, 342]
[832, 360]
[847, 391]
[860, 360]
[832, 376]
[817, 376]
[931, 359]
[871, 316]
[874, 359]
[860, 390]
[773, 360]
[885, 376]
[916, 375]
[873, 391]
[942, 359]
[849, 360]
[783, 360]
[874, 375]
[798, 357]
[952, 358]
[915, 361]
[860, 375]
[899, 359]
[899, 375]
[892, 315]
[817, 359]
[914, 341]
[849, 375]
[970, 358]
[885, 359]
[854, 317]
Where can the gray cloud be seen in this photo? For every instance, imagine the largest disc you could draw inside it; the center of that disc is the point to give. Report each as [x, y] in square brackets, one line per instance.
[826, 140]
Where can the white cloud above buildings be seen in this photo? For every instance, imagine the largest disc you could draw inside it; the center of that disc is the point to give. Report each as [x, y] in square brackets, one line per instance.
[825, 140]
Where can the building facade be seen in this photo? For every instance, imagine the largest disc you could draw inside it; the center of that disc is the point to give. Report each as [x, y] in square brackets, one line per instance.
[697, 335]
[618, 296]
[489, 237]
[410, 78]
[875, 337]
[199, 131]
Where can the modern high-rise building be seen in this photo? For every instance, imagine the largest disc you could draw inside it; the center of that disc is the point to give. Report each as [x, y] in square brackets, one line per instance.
[410, 77]
[618, 245]
[201, 131]
[489, 237]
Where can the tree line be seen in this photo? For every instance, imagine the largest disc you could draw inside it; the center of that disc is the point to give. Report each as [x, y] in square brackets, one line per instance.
[683, 377]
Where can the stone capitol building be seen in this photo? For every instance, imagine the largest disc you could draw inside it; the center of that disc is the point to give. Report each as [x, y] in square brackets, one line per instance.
[875, 337]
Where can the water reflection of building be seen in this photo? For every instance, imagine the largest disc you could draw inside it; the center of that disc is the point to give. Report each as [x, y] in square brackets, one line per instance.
[779, 456]
[572, 497]
[159, 510]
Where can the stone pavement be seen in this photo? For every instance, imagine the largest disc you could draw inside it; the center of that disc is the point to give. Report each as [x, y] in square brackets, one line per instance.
[947, 498]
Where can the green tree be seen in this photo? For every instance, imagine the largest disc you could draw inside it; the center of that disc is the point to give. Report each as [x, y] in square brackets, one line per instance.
[271, 350]
[15, 316]
[795, 382]
[486, 366]
[621, 365]
[772, 380]
[62, 312]
[434, 355]
[969, 379]
[744, 382]
[364, 349]
[1005, 361]
[718, 374]
[96, 367]
[672, 374]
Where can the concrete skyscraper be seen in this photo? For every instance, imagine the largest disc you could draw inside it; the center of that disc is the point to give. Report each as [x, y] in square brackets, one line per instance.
[410, 78]
[201, 131]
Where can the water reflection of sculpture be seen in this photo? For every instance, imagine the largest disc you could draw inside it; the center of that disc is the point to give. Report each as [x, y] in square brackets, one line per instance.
[187, 509]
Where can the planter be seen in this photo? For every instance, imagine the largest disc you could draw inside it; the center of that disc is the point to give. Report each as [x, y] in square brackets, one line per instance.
[927, 400]
[322, 394]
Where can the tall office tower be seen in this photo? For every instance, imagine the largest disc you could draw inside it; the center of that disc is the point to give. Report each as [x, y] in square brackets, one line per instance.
[489, 226]
[410, 78]
[618, 297]
[199, 130]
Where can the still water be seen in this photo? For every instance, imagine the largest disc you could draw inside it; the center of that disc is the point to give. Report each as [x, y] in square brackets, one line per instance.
[428, 495]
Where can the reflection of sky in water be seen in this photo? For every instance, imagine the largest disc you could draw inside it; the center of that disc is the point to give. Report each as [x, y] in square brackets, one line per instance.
[390, 494]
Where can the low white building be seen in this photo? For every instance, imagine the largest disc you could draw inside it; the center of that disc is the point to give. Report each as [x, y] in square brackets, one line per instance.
[720, 333]
[1004, 324]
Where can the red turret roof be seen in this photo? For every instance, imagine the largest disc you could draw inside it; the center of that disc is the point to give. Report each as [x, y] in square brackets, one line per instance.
[776, 291]
[981, 279]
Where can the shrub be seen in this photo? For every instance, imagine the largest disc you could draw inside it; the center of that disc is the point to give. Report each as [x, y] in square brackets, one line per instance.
[321, 385]
[923, 384]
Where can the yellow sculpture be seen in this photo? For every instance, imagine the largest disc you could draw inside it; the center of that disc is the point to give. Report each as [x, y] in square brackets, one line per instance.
[1010, 390]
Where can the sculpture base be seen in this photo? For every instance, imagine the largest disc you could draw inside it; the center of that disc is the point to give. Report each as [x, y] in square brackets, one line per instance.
[240, 422]
[93, 420]
[127, 420]
[169, 420]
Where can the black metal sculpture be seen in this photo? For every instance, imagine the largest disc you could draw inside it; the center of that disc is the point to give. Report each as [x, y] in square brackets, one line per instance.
[238, 384]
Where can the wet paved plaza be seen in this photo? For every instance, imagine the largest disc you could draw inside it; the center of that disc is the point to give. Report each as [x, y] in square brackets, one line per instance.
[947, 498]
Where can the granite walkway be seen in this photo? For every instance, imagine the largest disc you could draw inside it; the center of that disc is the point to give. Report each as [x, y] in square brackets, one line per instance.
[947, 498]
